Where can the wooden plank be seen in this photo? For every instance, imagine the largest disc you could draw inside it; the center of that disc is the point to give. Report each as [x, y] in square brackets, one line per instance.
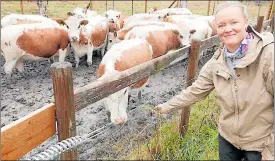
[214, 40]
[64, 100]
[99, 89]
[24, 134]
[191, 73]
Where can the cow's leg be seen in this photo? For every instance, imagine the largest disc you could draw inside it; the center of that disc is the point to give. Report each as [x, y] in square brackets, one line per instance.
[62, 54]
[90, 55]
[103, 51]
[20, 65]
[141, 88]
[76, 60]
[9, 65]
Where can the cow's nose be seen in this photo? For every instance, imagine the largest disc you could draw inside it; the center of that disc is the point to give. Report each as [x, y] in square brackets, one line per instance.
[74, 38]
[120, 121]
[112, 20]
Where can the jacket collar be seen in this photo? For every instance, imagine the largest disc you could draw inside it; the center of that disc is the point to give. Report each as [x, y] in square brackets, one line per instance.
[256, 45]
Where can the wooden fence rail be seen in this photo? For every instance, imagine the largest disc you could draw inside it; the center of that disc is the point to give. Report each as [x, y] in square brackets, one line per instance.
[25, 134]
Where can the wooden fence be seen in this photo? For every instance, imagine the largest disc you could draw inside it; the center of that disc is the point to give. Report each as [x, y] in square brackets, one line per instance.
[25, 134]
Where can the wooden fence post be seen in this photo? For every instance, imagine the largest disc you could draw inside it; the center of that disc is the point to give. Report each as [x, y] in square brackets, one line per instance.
[191, 73]
[260, 21]
[145, 6]
[64, 101]
[208, 9]
[21, 5]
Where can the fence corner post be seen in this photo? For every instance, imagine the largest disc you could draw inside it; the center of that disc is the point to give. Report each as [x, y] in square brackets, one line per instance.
[64, 101]
[191, 73]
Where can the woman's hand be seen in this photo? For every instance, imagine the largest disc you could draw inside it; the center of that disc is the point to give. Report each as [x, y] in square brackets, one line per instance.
[159, 109]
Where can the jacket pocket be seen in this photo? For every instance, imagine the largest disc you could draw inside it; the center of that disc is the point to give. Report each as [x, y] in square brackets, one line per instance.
[222, 73]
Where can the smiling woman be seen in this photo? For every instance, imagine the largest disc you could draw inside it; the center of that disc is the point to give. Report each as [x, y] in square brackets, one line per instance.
[242, 73]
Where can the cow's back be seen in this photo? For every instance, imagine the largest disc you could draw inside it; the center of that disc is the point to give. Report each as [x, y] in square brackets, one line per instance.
[161, 40]
[44, 42]
[127, 56]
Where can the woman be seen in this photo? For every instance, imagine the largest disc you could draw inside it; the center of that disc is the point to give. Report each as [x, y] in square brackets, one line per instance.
[242, 73]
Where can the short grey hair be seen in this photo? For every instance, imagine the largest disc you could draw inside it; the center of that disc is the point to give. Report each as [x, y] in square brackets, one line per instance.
[233, 4]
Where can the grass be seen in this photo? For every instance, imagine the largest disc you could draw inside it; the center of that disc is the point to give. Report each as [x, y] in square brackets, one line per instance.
[200, 142]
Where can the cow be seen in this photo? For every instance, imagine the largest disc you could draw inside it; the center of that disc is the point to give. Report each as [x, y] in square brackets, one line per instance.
[38, 41]
[174, 11]
[87, 35]
[120, 35]
[115, 17]
[193, 27]
[122, 56]
[15, 19]
[152, 10]
[83, 13]
[161, 38]
[144, 16]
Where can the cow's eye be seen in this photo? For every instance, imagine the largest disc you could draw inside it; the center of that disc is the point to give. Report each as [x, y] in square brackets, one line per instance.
[111, 41]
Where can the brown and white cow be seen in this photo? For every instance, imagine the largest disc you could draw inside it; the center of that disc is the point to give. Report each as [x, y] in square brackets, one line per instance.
[193, 26]
[122, 56]
[162, 38]
[15, 19]
[144, 16]
[36, 41]
[87, 35]
[115, 17]
[120, 35]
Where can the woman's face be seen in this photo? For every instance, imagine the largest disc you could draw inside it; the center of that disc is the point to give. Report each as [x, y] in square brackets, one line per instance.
[231, 27]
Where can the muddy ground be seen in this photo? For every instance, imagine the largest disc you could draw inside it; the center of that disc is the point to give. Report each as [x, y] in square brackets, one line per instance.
[25, 92]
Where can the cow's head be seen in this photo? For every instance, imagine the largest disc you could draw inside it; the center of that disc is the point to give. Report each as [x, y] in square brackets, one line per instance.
[180, 35]
[79, 12]
[113, 16]
[117, 104]
[161, 17]
[75, 27]
[112, 39]
[152, 10]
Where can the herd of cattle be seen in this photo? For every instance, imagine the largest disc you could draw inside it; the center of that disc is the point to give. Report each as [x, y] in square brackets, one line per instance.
[124, 41]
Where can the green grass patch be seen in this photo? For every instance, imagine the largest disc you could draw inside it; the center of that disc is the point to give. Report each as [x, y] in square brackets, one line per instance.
[200, 142]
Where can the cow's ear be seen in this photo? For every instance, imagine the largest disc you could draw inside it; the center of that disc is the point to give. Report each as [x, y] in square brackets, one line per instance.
[192, 31]
[119, 15]
[70, 14]
[84, 22]
[105, 14]
[176, 32]
[61, 22]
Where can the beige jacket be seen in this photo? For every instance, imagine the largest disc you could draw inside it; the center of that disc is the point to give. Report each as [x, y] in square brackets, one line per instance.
[246, 101]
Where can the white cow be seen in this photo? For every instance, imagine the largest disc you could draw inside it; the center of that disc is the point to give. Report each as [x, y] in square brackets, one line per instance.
[84, 13]
[36, 41]
[87, 35]
[114, 17]
[122, 56]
